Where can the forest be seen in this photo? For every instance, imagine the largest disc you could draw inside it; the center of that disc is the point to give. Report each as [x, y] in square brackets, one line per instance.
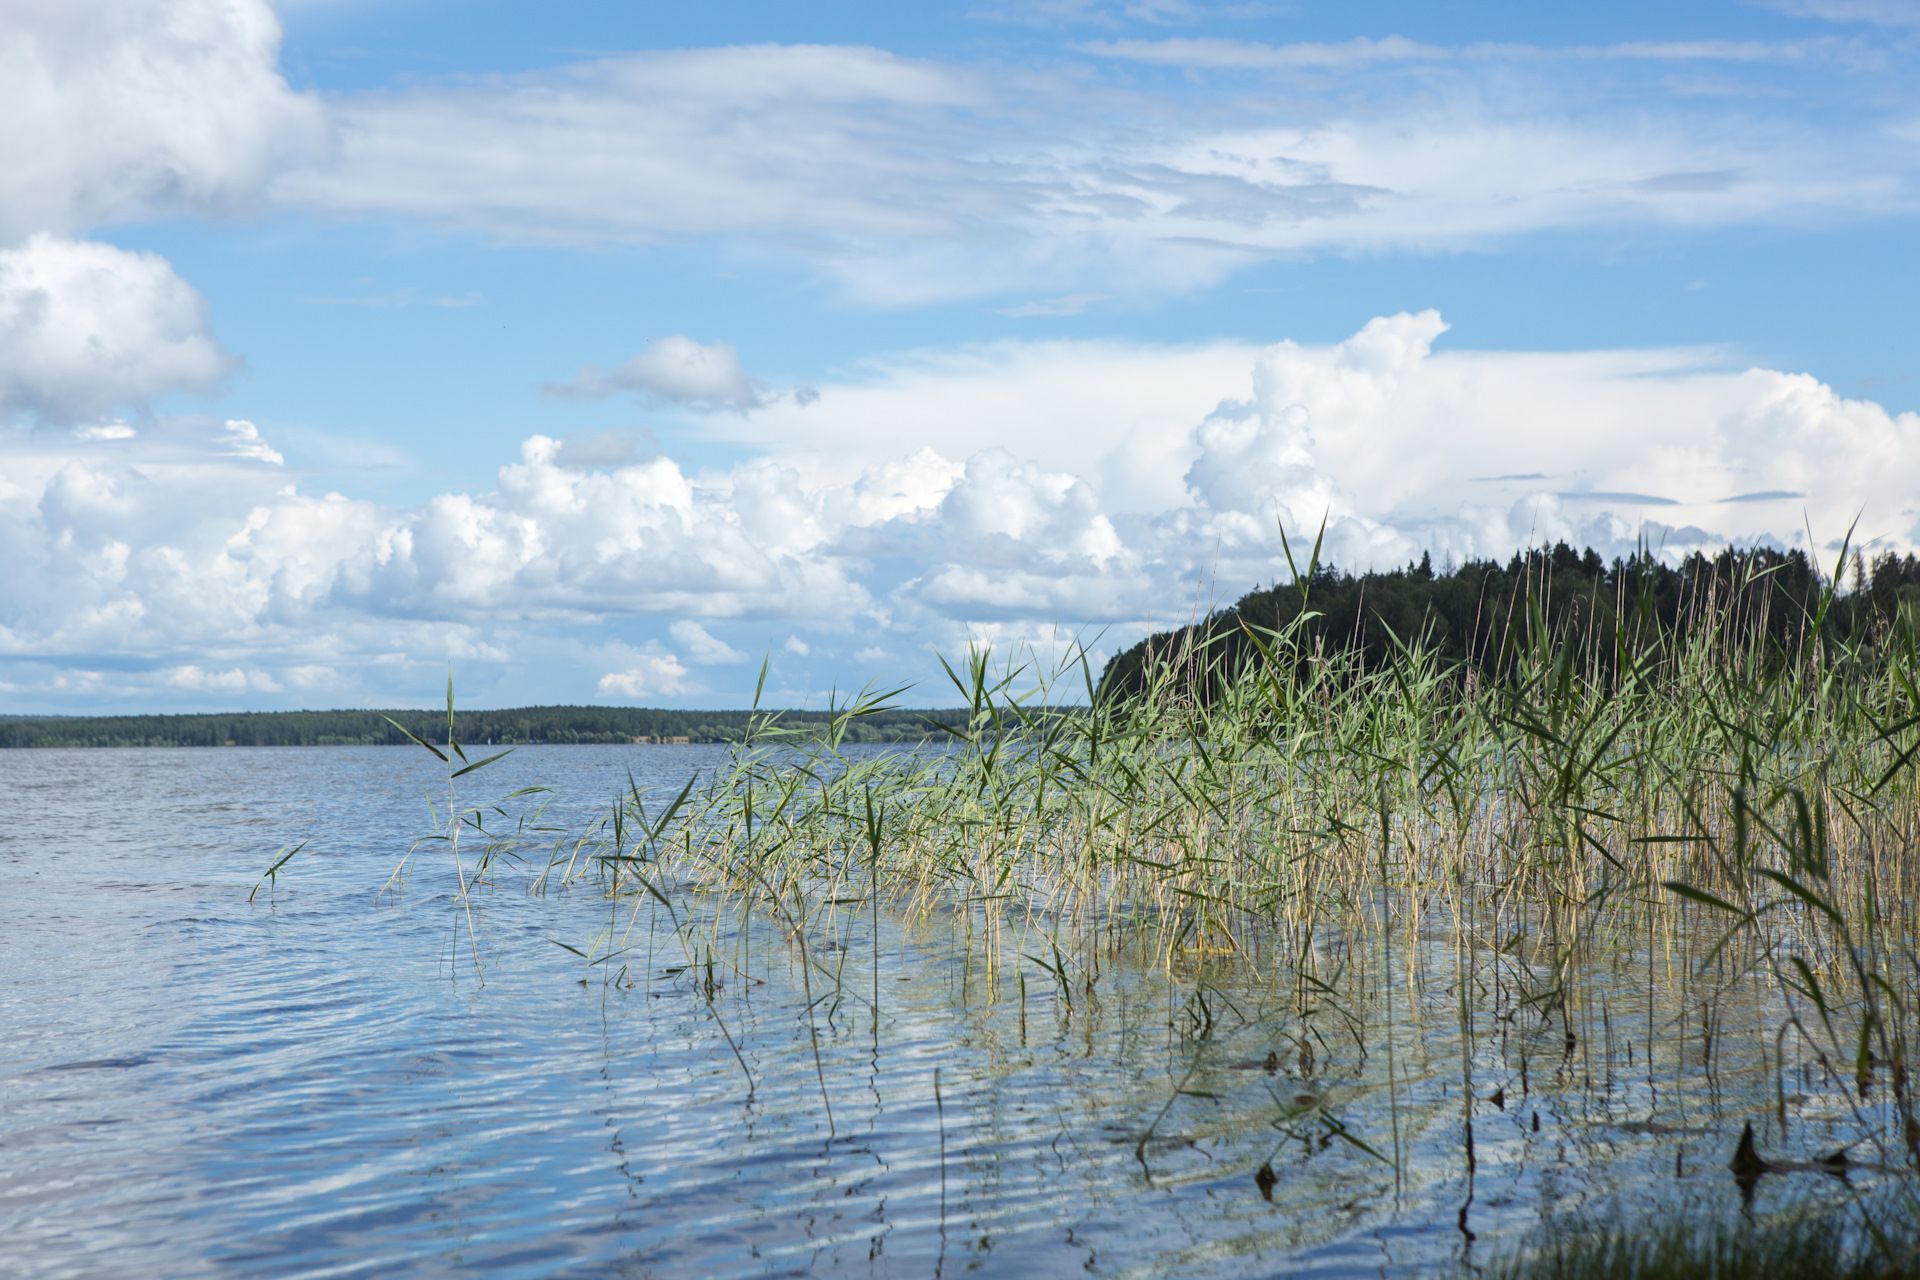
[1481, 615]
[372, 728]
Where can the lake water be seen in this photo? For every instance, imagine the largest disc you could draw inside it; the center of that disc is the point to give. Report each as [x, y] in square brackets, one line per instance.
[319, 1083]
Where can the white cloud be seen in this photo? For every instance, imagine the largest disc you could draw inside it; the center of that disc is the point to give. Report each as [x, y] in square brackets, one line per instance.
[1016, 540]
[1884, 13]
[1397, 445]
[236, 680]
[1703, 51]
[586, 450]
[120, 108]
[639, 538]
[187, 552]
[677, 370]
[701, 646]
[910, 180]
[87, 328]
[105, 431]
[1207, 51]
[644, 146]
[1071, 304]
[658, 674]
[1116, 413]
[243, 441]
[1099, 12]
[1215, 54]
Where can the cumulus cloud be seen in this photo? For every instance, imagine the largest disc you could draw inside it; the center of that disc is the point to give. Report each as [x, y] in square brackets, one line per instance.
[120, 108]
[1118, 414]
[639, 538]
[1015, 540]
[185, 549]
[87, 328]
[237, 680]
[661, 675]
[676, 370]
[1474, 453]
[622, 445]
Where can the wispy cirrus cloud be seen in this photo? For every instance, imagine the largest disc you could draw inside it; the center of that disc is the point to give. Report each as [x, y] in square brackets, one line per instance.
[1706, 50]
[648, 146]
[1251, 55]
[1882, 13]
[914, 179]
[1363, 53]
[1071, 304]
[910, 180]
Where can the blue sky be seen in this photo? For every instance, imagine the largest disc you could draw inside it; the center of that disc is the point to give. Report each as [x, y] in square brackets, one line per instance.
[600, 350]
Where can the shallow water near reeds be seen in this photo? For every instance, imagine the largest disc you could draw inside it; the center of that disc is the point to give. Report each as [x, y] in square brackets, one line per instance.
[321, 1082]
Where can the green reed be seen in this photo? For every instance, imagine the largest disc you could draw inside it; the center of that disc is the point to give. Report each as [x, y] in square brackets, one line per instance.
[1729, 818]
[1696, 778]
[506, 841]
[1804, 1246]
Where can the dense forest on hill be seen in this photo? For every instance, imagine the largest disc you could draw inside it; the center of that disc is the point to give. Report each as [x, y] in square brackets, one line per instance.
[1483, 613]
[366, 728]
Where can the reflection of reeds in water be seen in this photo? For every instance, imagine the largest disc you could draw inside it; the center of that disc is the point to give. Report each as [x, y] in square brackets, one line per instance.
[1722, 830]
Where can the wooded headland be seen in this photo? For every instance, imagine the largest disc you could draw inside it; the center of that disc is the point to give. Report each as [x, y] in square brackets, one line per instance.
[1482, 614]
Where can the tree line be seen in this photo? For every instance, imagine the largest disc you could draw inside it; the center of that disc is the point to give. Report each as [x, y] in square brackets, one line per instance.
[513, 727]
[1482, 614]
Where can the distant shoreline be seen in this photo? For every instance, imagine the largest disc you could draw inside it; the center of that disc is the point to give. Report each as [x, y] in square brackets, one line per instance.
[558, 725]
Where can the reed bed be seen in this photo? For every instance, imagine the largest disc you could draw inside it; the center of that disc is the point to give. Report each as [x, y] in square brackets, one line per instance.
[1728, 821]
[1795, 1249]
[1772, 791]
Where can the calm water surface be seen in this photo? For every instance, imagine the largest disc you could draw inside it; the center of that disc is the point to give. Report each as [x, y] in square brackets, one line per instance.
[320, 1083]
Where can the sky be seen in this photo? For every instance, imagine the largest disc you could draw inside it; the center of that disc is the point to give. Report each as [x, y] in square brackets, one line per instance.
[605, 353]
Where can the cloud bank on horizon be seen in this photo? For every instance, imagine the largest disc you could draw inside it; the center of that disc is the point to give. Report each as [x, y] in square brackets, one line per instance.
[1008, 491]
[188, 543]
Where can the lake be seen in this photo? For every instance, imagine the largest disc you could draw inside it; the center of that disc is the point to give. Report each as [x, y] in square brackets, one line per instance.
[324, 1081]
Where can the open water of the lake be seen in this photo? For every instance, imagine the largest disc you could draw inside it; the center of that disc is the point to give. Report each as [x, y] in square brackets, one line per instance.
[318, 1083]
